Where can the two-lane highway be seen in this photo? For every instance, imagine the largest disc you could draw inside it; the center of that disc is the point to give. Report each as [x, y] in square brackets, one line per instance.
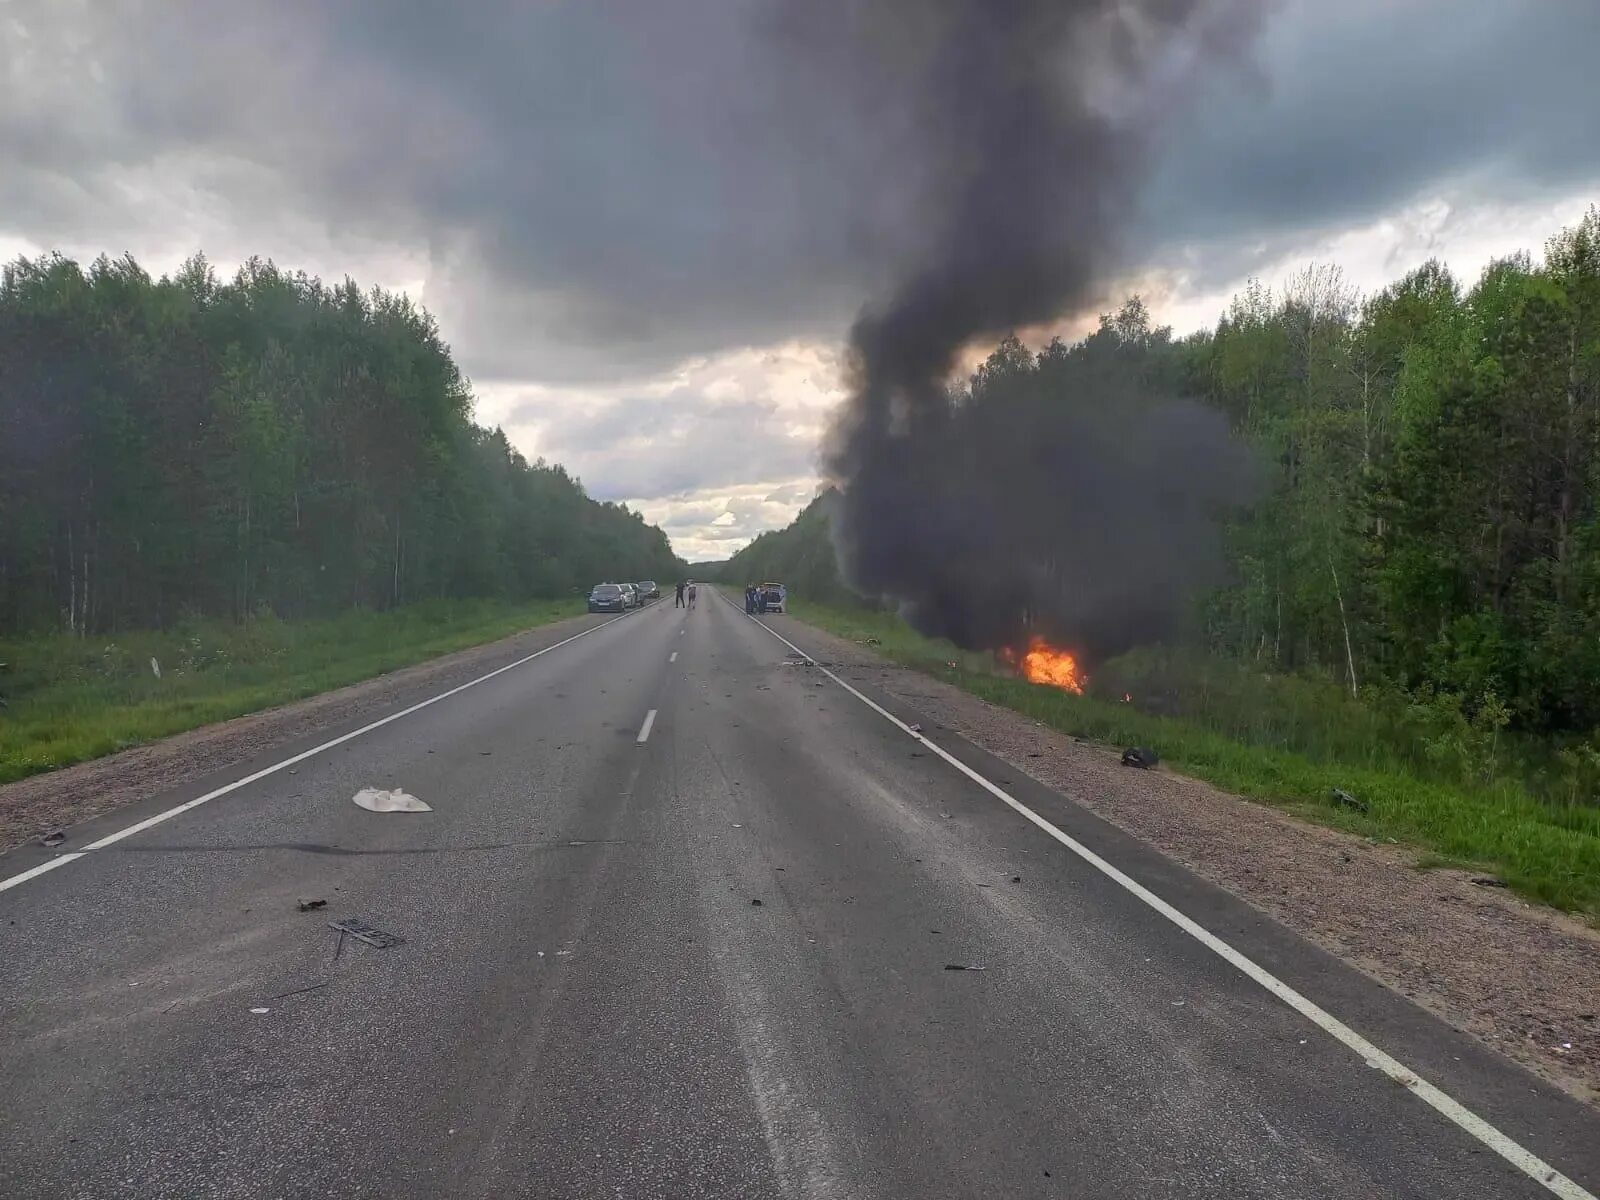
[680, 923]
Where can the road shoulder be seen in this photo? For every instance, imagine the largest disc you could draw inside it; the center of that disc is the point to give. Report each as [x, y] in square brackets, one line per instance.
[34, 807]
[1519, 978]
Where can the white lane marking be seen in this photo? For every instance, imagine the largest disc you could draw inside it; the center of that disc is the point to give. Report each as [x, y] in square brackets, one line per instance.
[673, 657]
[644, 730]
[23, 877]
[141, 826]
[1451, 1109]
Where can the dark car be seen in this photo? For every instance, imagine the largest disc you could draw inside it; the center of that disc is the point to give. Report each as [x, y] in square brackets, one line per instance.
[608, 597]
[649, 589]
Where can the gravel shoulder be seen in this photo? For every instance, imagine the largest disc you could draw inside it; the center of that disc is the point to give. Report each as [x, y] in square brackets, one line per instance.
[31, 808]
[1521, 978]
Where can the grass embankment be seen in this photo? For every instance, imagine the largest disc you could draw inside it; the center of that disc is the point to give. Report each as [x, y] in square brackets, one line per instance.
[71, 699]
[1290, 742]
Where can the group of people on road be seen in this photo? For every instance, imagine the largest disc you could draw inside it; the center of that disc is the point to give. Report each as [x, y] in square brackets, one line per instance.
[685, 594]
[755, 599]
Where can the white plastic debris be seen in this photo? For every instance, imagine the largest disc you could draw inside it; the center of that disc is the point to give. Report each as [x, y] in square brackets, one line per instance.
[383, 801]
[260, 1011]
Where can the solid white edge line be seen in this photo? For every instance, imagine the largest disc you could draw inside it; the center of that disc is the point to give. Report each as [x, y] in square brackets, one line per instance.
[141, 826]
[1524, 1160]
[644, 730]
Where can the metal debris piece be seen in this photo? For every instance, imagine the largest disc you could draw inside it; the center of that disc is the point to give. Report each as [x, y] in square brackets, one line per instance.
[370, 934]
[383, 800]
[964, 967]
[1345, 800]
[915, 728]
[54, 838]
[308, 905]
[299, 991]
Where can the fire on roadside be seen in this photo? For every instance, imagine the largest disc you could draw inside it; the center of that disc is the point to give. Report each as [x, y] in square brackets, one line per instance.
[1044, 663]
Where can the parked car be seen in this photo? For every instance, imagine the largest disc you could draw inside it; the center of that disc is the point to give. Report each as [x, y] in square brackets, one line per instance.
[632, 593]
[649, 589]
[774, 594]
[608, 597]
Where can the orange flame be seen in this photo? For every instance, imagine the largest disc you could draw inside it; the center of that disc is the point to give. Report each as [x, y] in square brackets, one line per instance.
[1043, 663]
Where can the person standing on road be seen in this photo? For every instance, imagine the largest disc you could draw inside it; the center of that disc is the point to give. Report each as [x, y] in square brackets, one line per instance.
[691, 594]
[678, 603]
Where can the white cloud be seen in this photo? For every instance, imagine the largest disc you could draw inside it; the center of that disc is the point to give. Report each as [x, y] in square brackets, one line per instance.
[716, 450]
[1464, 231]
[713, 523]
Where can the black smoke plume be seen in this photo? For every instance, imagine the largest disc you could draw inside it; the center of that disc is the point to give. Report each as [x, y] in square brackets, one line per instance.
[1063, 496]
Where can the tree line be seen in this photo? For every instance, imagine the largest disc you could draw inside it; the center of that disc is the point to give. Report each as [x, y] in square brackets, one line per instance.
[1430, 457]
[185, 446]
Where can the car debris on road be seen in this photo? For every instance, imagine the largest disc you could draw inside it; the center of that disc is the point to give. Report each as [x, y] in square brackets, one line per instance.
[382, 800]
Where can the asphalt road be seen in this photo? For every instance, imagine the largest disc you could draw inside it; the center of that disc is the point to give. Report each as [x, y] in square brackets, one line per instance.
[710, 961]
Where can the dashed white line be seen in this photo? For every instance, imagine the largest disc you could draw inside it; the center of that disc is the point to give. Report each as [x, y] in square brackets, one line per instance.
[644, 730]
[141, 826]
[1446, 1106]
[673, 657]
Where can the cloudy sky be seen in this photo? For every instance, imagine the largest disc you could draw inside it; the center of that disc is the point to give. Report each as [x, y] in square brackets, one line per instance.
[645, 226]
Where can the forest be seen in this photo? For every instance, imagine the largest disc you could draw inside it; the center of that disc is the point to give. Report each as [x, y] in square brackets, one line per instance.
[187, 448]
[1426, 529]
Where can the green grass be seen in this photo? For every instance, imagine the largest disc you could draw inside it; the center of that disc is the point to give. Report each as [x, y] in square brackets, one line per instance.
[71, 699]
[1291, 744]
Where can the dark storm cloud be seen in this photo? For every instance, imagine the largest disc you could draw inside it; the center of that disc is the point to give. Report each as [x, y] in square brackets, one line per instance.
[1361, 106]
[606, 187]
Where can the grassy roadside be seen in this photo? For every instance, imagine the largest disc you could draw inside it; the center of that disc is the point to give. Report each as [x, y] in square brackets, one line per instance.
[72, 699]
[1547, 851]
